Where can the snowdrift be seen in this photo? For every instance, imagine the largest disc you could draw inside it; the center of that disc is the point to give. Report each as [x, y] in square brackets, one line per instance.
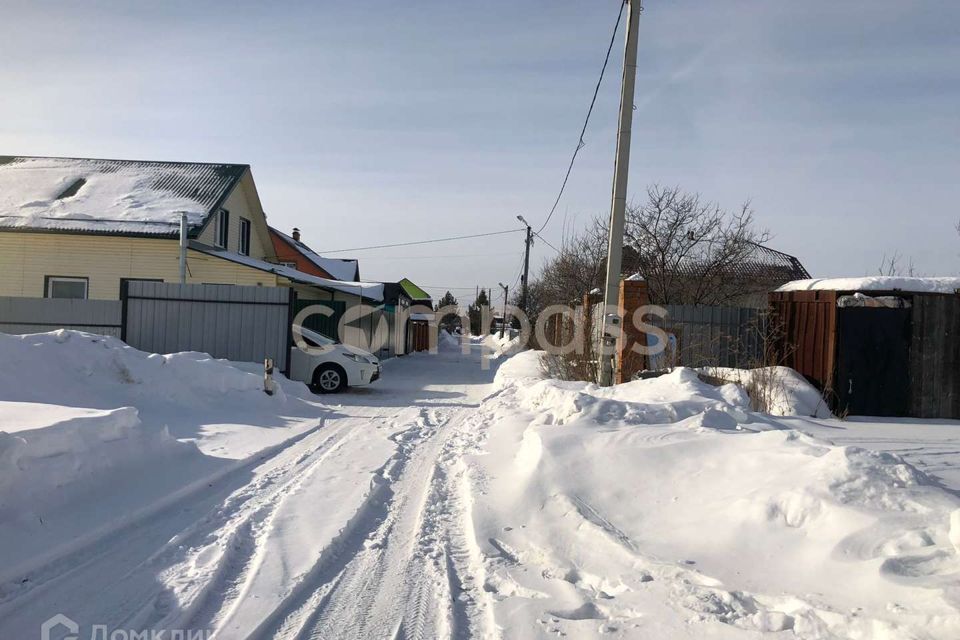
[77, 368]
[627, 505]
[75, 447]
[91, 430]
[784, 391]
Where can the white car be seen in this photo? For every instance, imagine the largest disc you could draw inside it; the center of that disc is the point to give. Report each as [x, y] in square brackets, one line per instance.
[328, 366]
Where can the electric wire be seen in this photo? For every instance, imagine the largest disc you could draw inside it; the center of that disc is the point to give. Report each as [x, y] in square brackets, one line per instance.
[546, 242]
[580, 142]
[409, 244]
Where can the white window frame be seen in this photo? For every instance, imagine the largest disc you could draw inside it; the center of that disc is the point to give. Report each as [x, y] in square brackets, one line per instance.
[50, 280]
[245, 230]
[222, 235]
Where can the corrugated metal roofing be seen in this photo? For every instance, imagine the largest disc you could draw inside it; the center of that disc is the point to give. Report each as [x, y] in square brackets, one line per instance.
[110, 196]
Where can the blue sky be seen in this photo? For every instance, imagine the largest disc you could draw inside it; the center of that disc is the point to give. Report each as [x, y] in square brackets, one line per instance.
[375, 122]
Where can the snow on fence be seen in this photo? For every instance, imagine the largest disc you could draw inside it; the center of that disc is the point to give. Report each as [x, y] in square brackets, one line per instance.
[240, 323]
[37, 315]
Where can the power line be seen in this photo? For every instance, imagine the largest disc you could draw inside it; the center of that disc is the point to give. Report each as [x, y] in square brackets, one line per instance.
[519, 275]
[459, 255]
[426, 286]
[580, 142]
[547, 243]
[409, 244]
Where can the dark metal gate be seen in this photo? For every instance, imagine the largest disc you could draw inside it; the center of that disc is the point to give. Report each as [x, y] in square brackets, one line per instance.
[873, 372]
[324, 325]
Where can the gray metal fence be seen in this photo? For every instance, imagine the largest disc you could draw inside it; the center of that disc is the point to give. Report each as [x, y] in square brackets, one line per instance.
[712, 336]
[235, 322]
[36, 315]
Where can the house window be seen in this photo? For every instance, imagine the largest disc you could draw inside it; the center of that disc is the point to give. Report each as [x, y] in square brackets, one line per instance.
[65, 287]
[223, 228]
[244, 236]
[292, 265]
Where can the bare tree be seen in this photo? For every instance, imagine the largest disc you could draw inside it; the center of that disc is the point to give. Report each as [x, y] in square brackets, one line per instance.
[893, 265]
[578, 269]
[688, 250]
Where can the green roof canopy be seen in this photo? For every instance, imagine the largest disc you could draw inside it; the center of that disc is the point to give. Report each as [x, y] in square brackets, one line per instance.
[412, 290]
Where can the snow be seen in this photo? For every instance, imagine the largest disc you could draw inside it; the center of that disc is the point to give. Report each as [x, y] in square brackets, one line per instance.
[782, 391]
[446, 341]
[666, 508]
[877, 283]
[123, 199]
[371, 290]
[463, 495]
[339, 268]
[82, 413]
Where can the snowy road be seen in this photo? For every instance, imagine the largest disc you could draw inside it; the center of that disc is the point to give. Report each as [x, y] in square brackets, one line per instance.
[454, 501]
[358, 528]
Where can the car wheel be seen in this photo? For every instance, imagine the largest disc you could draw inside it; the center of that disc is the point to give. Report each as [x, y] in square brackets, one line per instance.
[329, 378]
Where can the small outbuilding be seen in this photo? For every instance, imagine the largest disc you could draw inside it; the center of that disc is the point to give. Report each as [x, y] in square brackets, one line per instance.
[881, 346]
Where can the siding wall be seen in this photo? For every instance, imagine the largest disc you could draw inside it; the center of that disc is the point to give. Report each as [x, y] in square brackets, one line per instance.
[25, 258]
[241, 204]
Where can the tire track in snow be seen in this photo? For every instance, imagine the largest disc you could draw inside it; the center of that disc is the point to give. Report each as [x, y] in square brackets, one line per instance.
[352, 563]
[241, 537]
[407, 565]
[123, 563]
[105, 541]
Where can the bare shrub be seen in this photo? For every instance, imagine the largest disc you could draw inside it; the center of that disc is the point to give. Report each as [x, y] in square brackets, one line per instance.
[688, 249]
[761, 377]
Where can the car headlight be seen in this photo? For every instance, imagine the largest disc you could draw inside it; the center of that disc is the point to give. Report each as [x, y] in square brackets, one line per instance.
[356, 358]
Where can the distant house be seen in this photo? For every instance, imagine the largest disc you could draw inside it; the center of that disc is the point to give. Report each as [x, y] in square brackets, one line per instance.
[744, 283]
[293, 252]
[414, 306]
[80, 227]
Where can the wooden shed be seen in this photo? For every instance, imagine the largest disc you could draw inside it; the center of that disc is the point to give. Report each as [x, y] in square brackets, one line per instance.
[881, 346]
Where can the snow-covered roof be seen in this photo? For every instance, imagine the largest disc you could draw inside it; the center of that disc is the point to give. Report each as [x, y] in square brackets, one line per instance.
[110, 196]
[339, 268]
[371, 290]
[876, 283]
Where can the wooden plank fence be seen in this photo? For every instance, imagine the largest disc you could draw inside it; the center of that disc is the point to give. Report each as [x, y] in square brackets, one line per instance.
[935, 357]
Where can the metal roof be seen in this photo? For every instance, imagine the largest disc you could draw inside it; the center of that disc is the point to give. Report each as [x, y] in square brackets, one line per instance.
[371, 290]
[92, 195]
[762, 263]
[339, 268]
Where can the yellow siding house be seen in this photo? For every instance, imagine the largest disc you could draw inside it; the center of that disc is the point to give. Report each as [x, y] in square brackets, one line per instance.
[78, 227]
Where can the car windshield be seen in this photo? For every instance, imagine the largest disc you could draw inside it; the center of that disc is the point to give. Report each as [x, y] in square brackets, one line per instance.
[316, 339]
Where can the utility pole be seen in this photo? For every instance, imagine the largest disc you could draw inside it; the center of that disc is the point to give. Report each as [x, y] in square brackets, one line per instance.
[526, 265]
[183, 248]
[503, 322]
[619, 203]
